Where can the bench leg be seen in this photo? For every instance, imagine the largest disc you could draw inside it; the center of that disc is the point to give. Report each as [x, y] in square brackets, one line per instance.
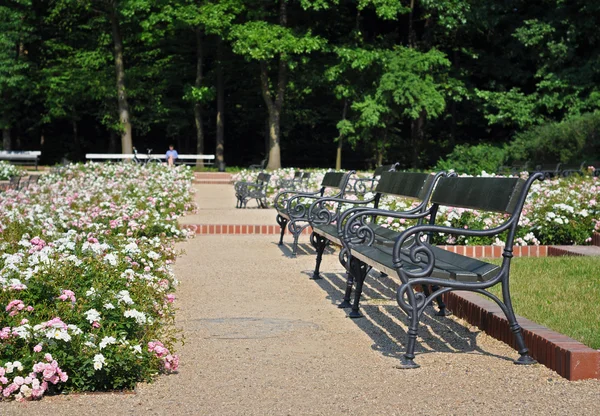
[407, 360]
[296, 230]
[359, 271]
[282, 223]
[319, 243]
[442, 309]
[525, 358]
[349, 280]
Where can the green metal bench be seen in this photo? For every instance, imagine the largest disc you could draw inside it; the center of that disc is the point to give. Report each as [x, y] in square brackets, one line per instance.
[364, 185]
[417, 186]
[245, 191]
[292, 206]
[411, 257]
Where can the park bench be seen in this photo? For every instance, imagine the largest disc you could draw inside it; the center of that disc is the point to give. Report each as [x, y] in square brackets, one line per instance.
[363, 185]
[245, 191]
[259, 166]
[292, 209]
[407, 185]
[293, 183]
[181, 159]
[550, 170]
[574, 169]
[411, 257]
[21, 156]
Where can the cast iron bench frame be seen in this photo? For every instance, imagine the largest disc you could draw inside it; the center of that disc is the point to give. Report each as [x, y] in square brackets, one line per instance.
[364, 185]
[292, 212]
[411, 257]
[410, 185]
[245, 191]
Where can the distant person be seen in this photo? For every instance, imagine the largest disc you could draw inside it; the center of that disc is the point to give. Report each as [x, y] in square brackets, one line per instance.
[171, 155]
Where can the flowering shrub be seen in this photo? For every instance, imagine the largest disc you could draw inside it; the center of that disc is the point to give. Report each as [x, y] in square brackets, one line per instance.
[87, 286]
[7, 170]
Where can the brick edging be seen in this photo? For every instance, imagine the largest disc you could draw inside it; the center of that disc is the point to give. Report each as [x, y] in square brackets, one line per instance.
[569, 358]
[596, 239]
[209, 229]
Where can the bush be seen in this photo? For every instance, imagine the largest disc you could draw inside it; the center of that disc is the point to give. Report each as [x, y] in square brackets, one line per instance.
[7, 170]
[570, 141]
[86, 286]
[472, 160]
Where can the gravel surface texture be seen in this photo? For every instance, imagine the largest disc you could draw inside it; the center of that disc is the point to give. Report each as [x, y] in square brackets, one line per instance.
[216, 205]
[263, 339]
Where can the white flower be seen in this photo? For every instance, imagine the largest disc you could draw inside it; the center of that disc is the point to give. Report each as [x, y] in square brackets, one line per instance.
[92, 315]
[137, 348]
[99, 361]
[106, 341]
[140, 317]
[153, 255]
[111, 259]
[108, 306]
[91, 293]
[123, 296]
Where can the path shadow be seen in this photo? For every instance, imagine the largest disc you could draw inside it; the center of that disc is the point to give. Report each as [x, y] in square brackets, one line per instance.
[304, 249]
[387, 324]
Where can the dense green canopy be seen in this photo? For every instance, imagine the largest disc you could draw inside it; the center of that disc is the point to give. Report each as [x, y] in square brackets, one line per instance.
[384, 80]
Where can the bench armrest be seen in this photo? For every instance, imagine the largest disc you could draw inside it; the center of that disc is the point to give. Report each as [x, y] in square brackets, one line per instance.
[355, 230]
[299, 210]
[281, 201]
[361, 185]
[319, 214]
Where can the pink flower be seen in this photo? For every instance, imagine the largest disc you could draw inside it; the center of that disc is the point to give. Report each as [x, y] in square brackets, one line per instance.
[95, 324]
[170, 298]
[37, 348]
[67, 294]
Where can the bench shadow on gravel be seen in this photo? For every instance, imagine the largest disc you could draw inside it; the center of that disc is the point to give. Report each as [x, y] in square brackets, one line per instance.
[303, 249]
[387, 324]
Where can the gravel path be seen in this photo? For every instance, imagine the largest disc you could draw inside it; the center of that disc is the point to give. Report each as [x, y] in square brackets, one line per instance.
[263, 339]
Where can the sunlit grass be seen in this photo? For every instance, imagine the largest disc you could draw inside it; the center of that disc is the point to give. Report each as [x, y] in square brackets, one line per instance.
[561, 293]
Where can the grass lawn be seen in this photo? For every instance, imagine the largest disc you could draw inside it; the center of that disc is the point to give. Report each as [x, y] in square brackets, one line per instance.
[561, 293]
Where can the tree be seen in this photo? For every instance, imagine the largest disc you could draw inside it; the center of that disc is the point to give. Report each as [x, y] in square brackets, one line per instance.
[273, 46]
[15, 33]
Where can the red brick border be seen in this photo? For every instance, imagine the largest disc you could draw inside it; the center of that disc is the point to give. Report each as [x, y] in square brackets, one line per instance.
[596, 239]
[209, 229]
[569, 358]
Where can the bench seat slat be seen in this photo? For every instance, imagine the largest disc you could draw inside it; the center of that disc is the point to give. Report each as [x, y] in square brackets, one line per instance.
[448, 265]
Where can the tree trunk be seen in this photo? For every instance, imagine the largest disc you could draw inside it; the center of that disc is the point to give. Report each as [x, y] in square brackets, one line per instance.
[76, 143]
[6, 141]
[416, 134]
[112, 142]
[126, 139]
[220, 109]
[198, 105]
[274, 106]
[338, 158]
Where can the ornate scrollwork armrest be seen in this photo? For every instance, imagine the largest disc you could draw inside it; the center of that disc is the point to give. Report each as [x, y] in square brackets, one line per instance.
[319, 214]
[281, 202]
[356, 229]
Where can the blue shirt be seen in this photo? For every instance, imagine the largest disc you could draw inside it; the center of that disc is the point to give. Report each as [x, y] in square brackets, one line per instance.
[172, 153]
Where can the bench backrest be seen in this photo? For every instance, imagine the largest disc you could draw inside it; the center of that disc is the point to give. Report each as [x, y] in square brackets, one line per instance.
[333, 180]
[406, 184]
[485, 194]
[263, 178]
[385, 168]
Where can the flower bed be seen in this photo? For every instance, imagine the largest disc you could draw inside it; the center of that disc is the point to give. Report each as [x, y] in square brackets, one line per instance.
[7, 170]
[87, 288]
[557, 212]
